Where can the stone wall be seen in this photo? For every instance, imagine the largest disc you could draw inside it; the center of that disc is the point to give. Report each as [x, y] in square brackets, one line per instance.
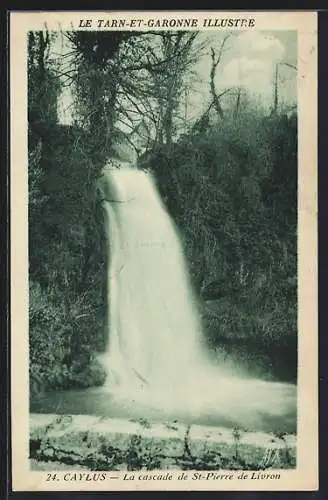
[94, 443]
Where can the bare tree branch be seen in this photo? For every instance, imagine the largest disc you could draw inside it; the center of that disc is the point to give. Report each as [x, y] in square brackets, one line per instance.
[289, 65]
[216, 59]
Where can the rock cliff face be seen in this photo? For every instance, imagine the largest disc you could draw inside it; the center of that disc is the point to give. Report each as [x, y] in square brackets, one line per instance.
[93, 443]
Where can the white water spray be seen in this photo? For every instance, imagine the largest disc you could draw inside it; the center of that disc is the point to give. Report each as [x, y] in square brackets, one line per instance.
[155, 354]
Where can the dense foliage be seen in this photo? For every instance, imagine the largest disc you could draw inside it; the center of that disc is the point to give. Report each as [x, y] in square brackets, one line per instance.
[231, 188]
[232, 191]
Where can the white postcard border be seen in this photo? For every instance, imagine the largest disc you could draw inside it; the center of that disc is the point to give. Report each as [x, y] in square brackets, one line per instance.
[305, 476]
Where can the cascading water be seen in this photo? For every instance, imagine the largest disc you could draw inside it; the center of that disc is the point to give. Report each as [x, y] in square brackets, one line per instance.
[155, 354]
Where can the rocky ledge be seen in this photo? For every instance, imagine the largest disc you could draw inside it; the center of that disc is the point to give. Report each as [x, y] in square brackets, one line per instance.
[93, 443]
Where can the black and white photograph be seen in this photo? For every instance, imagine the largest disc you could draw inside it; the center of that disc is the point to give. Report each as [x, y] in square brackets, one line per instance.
[163, 251]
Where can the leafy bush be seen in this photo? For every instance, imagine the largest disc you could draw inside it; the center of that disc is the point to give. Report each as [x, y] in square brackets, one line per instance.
[61, 355]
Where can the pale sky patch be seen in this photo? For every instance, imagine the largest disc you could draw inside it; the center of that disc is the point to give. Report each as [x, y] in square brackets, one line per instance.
[248, 61]
[255, 42]
[254, 75]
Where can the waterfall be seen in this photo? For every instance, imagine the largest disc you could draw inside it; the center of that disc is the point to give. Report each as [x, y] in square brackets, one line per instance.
[155, 352]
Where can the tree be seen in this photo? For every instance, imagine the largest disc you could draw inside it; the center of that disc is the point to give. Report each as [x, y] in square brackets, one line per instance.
[150, 100]
[43, 85]
[216, 59]
[169, 85]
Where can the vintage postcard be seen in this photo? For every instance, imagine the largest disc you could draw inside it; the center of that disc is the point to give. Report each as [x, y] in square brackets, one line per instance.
[164, 251]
